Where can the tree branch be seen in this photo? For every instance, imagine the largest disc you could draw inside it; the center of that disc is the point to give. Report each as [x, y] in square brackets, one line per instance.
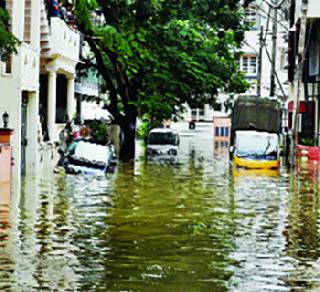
[122, 80]
[103, 70]
[108, 12]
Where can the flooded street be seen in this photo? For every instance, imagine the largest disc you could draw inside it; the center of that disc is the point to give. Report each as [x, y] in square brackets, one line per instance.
[154, 226]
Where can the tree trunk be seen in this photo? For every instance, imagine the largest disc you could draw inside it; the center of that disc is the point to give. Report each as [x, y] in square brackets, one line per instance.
[128, 127]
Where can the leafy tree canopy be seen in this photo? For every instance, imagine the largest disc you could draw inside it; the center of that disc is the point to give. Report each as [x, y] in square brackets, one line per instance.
[161, 54]
[8, 42]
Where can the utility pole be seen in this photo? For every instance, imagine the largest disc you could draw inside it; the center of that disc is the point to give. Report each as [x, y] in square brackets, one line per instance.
[274, 49]
[259, 77]
[298, 88]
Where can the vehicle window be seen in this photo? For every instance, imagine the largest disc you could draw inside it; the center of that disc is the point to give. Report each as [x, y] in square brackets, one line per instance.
[256, 146]
[162, 139]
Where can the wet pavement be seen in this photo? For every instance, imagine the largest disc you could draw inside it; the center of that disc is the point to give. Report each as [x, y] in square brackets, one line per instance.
[155, 226]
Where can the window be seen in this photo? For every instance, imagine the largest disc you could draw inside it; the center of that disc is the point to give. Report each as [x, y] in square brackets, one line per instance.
[8, 65]
[222, 131]
[193, 114]
[217, 131]
[201, 112]
[162, 138]
[226, 131]
[253, 65]
[249, 64]
[250, 15]
[244, 64]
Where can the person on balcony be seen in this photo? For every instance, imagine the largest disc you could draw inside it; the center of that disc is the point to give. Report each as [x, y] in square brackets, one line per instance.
[55, 8]
[63, 12]
[71, 18]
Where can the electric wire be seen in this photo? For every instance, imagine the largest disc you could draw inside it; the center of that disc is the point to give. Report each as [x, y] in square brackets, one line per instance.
[264, 45]
[268, 16]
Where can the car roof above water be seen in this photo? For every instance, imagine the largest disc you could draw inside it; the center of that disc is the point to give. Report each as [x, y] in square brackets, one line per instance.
[162, 130]
[255, 133]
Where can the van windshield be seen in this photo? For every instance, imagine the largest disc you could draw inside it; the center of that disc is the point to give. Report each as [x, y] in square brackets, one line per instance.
[256, 145]
[162, 139]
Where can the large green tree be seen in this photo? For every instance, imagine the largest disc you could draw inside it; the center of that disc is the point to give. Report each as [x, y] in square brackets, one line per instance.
[8, 42]
[157, 55]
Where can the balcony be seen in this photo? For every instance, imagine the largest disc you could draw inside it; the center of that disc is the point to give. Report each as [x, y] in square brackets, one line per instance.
[62, 41]
[29, 66]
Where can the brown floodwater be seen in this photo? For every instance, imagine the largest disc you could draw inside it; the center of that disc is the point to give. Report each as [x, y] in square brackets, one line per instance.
[158, 226]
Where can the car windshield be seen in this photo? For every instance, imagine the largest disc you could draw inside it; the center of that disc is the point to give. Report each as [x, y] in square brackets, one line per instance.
[256, 145]
[162, 139]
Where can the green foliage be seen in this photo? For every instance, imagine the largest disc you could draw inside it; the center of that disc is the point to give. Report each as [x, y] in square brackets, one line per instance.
[99, 131]
[147, 124]
[308, 142]
[160, 55]
[144, 129]
[102, 133]
[8, 42]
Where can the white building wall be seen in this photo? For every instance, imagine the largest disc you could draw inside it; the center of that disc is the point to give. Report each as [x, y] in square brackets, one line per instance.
[10, 84]
[313, 9]
[25, 78]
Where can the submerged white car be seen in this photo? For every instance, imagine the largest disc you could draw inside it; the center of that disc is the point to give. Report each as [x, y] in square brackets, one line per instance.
[86, 157]
[163, 142]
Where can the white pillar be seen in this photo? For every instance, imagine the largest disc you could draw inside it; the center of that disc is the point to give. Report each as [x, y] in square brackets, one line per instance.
[32, 132]
[51, 110]
[71, 104]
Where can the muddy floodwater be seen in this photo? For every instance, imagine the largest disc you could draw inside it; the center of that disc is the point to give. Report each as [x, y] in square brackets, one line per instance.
[155, 226]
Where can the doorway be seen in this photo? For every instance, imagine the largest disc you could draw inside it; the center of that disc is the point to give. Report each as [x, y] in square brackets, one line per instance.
[24, 141]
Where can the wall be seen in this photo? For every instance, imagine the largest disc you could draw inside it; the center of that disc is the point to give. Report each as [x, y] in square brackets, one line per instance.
[64, 41]
[313, 9]
[5, 164]
[225, 124]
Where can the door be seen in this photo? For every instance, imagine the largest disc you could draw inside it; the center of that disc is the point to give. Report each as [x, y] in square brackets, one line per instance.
[24, 141]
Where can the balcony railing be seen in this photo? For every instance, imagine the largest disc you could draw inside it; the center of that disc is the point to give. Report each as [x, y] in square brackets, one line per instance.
[65, 41]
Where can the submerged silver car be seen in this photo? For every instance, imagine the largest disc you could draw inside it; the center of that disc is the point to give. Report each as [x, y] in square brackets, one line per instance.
[163, 142]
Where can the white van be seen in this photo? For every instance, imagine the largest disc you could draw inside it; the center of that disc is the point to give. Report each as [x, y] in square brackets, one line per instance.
[163, 142]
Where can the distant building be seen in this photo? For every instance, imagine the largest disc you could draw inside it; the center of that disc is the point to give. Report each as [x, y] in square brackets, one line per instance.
[222, 131]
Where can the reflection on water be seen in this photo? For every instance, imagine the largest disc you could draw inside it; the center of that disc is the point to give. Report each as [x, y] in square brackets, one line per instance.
[191, 226]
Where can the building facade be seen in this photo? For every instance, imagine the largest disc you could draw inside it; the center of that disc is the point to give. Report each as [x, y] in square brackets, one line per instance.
[37, 83]
[308, 103]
